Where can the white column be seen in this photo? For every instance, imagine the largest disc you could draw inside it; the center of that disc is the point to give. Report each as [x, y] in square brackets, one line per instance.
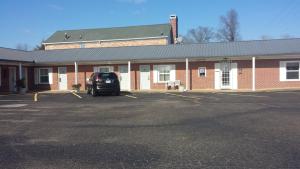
[20, 71]
[76, 72]
[253, 73]
[187, 84]
[129, 76]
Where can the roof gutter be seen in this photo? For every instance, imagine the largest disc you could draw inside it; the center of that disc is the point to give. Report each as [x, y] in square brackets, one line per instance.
[109, 40]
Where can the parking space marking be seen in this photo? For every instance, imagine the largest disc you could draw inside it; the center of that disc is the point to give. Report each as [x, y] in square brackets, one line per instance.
[13, 105]
[189, 97]
[131, 96]
[35, 97]
[76, 95]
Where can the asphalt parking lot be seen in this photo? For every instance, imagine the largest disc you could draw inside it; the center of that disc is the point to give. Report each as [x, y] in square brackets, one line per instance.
[151, 130]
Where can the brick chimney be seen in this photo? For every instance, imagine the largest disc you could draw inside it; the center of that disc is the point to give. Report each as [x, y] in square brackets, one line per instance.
[174, 26]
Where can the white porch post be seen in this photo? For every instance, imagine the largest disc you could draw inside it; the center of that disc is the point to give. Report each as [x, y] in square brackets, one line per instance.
[253, 74]
[20, 71]
[76, 73]
[129, 76]
[187, 84]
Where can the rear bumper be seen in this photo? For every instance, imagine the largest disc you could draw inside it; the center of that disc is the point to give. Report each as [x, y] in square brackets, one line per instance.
[106, 90]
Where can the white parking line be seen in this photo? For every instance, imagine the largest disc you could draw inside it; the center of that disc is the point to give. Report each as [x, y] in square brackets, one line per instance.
[76, 95]
[131, 96]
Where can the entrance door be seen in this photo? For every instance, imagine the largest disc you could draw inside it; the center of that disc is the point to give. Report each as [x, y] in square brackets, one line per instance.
[62, 78]
[12, 79]
[226, 75]
[144, 77]
[124, 80]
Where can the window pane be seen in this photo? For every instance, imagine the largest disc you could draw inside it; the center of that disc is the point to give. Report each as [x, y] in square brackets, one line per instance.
[292, 75]
[292, 66]
[201, 71]
[104, 70]
[44, 79]
[164, 77]
[44, 72]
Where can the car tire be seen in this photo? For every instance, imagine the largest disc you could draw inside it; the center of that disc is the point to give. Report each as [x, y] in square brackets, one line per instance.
[93, 92]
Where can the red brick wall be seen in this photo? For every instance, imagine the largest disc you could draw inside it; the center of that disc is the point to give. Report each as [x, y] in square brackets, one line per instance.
[267, 75]
[197, 82]
[244, 74]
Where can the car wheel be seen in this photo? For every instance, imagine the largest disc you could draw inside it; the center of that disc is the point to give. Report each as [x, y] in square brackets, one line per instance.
[93, 92]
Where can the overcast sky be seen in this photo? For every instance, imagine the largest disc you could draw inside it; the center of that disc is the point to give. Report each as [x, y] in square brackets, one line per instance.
[31, 21]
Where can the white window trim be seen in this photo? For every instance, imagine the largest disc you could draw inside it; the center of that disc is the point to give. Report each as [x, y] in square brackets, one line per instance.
[39, 75]
[204, 71]
[284, 63]
[158, 73]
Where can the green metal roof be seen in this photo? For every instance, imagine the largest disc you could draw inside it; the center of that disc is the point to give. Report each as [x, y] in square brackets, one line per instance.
[144, 31]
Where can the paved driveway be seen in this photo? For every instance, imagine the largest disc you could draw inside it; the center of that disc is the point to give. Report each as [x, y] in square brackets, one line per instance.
[151, 130]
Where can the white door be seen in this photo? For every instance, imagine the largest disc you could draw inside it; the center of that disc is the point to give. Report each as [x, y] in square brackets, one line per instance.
[62, 78]
[144, 77]
[124, 79]
[226, 75]
[12, 79]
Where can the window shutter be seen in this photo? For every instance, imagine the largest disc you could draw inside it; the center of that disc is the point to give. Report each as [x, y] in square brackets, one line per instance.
[217, 76]
[282, 71]
[172, 72]
[155, 73]
[36, 76]
[50, 74]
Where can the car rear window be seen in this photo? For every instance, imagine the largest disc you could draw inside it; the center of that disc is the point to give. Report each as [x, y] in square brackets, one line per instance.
[107, 75]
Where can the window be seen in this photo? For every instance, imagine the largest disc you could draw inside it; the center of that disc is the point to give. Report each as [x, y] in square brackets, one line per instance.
[104, 69]
[292, 70]
[164, 73]
[202, 71]
[289, 70]
[44, 76]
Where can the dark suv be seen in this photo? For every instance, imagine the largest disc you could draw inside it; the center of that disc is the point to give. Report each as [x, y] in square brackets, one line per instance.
[100, 83]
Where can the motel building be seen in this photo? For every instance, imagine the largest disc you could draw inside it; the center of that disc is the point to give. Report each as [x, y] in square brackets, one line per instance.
[148, 58]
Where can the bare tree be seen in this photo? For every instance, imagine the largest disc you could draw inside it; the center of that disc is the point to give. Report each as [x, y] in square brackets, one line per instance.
[199, 35]
[39, 46]
[229, 30]
[21, 46]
